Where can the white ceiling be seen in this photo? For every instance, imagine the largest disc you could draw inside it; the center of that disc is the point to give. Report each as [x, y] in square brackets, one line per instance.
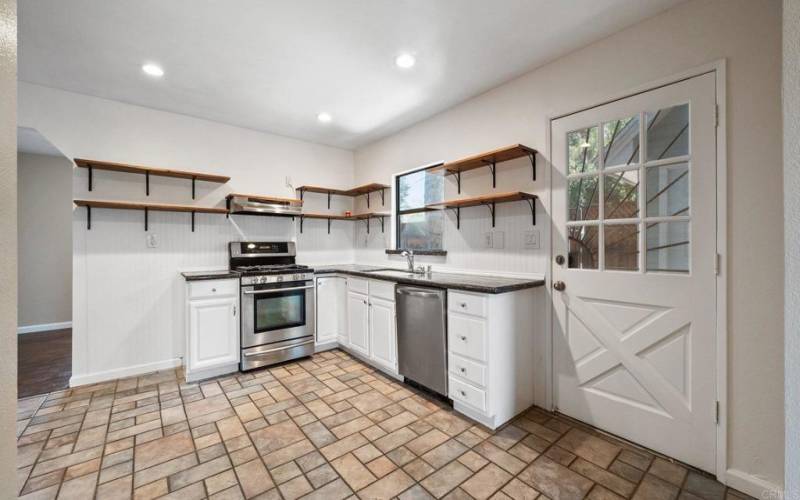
[29, 140]
[273, 65]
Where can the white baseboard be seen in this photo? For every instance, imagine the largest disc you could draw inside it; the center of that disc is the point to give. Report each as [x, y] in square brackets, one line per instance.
[128, 371]
[326, 346]
[753, 485]
[44, 327]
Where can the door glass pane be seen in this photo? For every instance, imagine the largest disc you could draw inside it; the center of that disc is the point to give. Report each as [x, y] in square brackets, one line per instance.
[582, 150]
[668, 246]
[276, 311]
[668, 132]
[421, 231]
[583, 198]
[668, 190]
[582, 247]
[621, 142]
[621, 247]
[622, 194]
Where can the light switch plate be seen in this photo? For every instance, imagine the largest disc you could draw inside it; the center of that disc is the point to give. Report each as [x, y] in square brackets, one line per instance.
[487, 239]
[531, 239]
[152, 240]
[498, 239]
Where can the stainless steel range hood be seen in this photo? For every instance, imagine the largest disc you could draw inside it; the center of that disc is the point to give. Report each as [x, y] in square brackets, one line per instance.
[248, 204]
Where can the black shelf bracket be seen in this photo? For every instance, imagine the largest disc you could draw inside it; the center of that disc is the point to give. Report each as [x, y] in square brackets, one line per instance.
[367, 201]
[492, 164]
[147, 183]
[329, 226]
[146, 213]
[532, 204]
[301, 223]
[228, 208]
[90, 178]
[193, 221]
[383, 197]
[367, 221]
[329, 200]
[457, 211]
[457, 174]
[302, 191]
[532, 156]
[383, 221]
[88, 217]
[194, 179]
[492, 210]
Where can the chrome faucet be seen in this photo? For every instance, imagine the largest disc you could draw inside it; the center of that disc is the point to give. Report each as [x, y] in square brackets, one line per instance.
[409, 255]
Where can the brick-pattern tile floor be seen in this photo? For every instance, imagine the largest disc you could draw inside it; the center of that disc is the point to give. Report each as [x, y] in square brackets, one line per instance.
[328, 427]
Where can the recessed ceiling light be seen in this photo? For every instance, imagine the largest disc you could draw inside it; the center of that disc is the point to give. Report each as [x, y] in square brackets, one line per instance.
[152, 69]
[324, 117]
[405, 61]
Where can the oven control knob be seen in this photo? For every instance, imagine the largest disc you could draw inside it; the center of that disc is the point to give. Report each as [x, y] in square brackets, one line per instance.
[297, 277]
[280, 278]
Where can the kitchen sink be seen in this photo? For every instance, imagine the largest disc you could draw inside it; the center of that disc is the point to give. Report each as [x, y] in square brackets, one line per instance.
[396, 272]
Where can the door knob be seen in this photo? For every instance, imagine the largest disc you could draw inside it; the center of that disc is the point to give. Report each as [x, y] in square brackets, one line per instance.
[559, 285]
[560, 260]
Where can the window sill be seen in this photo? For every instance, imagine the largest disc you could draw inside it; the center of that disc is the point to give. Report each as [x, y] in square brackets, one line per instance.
[440, 253]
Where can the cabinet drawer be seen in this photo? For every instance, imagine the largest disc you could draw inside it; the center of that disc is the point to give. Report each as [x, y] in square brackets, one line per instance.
[358, 285]
[467, 336]
[382, 290]
[465, 393]
[467, 304]
[468, 370]
[213, 288]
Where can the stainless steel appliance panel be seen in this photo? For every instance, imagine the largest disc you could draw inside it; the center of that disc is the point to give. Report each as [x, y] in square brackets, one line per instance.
[422, 335]
[265, 355]
[255, 334]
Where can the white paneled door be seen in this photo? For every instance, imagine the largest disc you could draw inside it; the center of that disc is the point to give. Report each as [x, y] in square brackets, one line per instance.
[634, 244]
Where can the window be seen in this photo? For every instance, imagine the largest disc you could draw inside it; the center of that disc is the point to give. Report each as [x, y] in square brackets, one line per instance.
[417, 227]
[614, 195]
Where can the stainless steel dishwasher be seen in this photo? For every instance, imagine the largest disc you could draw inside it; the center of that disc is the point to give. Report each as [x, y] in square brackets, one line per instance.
[422, 336]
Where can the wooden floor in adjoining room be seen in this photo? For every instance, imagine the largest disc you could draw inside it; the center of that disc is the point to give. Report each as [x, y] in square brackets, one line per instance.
[44, 361]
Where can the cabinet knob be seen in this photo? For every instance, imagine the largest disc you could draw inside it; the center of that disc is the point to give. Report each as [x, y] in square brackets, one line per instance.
[463, 337]
[462, 393]
[463, 370]
[214, 290]
[463, 304]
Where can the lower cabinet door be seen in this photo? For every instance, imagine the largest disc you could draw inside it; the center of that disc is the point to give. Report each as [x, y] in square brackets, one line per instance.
[213, 332]
[358, 322]
[382, 333]
[327, 310]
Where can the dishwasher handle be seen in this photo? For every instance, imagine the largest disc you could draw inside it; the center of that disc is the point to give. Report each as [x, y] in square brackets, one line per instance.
[416, 292]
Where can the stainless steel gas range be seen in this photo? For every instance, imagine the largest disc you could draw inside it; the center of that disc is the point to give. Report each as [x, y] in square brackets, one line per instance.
[277, 303]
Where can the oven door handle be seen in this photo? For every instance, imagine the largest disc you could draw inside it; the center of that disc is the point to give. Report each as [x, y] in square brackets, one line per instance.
[283, 348]
[276, 290]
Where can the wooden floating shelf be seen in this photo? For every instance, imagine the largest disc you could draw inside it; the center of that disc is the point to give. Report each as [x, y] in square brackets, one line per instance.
[366, 189]
[145, 207]
[489, 200]
[365, 217]
[488, 159]
[92, 165]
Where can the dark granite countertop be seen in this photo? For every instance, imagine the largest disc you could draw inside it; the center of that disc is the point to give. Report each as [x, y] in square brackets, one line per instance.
[468, 282]
[209, 275]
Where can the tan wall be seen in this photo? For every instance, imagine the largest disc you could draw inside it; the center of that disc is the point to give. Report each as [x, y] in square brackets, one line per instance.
[44, 222]
[8, 244]
[747, 34]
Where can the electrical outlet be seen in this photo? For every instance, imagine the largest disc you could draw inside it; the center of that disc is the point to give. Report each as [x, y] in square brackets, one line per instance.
[152, 241]
[498, 239]
[531, 239]
[488, 239]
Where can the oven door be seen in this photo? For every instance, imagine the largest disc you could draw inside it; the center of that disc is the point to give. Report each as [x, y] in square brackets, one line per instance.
[277, 312]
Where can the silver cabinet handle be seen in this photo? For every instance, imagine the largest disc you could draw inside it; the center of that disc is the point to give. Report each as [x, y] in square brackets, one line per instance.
[276, 290]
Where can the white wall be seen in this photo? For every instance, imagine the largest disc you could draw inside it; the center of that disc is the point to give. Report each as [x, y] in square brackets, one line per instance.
[791, 222]
[128, 307]
[44, 223]
[747, 35]
[8, 242]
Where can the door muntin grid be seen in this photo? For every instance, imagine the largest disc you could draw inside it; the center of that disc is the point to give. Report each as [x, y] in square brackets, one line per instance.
[612, 194]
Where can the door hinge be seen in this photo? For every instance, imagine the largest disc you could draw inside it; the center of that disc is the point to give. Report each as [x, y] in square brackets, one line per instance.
[717, 263]
[716, 411]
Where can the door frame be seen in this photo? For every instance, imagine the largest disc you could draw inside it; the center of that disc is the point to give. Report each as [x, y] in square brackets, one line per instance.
[718, 68]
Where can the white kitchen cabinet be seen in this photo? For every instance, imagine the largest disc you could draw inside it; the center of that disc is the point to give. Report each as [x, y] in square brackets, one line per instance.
[358, 322]
[491, 354]
[383, 341]
[331, 311]
[212, 328]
